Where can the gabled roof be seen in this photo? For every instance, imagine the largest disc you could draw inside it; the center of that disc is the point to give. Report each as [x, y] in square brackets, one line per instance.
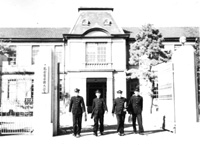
[95, 18]
[167, 32]
[33, 32]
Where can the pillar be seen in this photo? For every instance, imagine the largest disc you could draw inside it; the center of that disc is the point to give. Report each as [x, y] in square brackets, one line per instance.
[42, 93]
[110, 92]
[185, 89]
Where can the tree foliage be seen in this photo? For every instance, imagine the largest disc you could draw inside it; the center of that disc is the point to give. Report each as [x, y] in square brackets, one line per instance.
[147, 51]
[5, 49]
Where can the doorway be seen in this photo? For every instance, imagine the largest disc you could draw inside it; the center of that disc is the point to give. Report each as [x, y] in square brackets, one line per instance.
[94, 84]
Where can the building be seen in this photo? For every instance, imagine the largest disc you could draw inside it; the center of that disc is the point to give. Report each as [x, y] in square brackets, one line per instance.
[93, 54]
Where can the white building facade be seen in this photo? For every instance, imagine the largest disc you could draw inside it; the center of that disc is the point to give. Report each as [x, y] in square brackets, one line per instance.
[93, 54]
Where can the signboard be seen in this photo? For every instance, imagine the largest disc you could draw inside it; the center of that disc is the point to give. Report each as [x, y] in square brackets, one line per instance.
[45, 79]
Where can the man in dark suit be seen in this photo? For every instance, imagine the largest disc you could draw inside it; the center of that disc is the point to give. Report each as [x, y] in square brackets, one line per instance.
[98, 109]
[77, 107]
[135, 106]
[119, 108]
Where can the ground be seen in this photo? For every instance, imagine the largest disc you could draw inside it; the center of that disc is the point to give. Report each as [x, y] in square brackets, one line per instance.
[154, 134]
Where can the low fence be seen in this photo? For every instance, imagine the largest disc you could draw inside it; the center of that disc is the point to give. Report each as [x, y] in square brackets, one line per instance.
[16, 118]
[16, 105]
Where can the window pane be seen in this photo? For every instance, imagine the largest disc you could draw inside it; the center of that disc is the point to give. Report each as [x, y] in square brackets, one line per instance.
[12, 55]
[96, 52]
[91, 52]
[35, 50]
[59, 50]
[12, 89]
[101, 52]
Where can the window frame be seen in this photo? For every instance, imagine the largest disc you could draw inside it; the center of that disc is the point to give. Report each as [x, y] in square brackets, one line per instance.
[99, 53]
[34, 53]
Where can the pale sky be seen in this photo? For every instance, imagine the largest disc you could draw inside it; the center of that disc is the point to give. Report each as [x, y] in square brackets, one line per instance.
[130, 13]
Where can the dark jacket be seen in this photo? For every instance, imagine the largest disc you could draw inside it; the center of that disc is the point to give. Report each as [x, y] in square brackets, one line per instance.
[118, 105]
[135, 104]
[99, 106]
[77, 105]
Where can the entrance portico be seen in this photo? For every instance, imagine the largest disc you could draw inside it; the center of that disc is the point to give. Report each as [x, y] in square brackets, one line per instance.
[107, 82]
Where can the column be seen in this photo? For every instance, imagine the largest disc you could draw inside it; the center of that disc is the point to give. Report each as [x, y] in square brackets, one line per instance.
[110, 93]
[185, 89]
[42, 93]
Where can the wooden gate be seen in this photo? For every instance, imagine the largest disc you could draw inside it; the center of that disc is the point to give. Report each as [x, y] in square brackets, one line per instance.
[165, 100]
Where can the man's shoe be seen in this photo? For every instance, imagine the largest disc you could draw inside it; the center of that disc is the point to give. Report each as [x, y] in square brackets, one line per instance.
[101, 133]
[78, 135]
[134, 132]
[141, 133]
[95, 134]
[74, 135]
[122, 134]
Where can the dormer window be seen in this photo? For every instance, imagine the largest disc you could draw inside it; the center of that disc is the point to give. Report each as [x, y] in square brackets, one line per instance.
[107, 22]
[85, 22]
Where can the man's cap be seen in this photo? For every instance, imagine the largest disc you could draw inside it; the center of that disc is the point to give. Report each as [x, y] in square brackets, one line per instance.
[97, 91]
[76, 90]
[119, 91]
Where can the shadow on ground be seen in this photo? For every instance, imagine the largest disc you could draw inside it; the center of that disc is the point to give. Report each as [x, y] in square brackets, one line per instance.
[108, 129]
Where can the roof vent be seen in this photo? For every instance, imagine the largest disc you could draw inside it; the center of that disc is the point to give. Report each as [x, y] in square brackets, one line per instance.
[107, 22]
[85, 22]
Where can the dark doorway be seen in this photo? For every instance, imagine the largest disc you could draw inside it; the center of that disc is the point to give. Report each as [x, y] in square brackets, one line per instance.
[94, 84]
[131, 85]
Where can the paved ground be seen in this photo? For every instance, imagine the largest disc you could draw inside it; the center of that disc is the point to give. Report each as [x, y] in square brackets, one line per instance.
[154, 135]
[150, 138]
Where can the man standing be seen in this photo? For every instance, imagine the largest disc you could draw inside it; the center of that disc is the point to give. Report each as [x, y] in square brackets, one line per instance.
[77, 106]
[119, 108]
[98, 109]
[135, 106]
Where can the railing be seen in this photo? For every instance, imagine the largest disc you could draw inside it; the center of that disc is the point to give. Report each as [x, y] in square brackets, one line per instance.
[98, 65]
[16, 117]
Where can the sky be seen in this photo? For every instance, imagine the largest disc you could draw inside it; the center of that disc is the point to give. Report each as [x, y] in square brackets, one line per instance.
[127, 13]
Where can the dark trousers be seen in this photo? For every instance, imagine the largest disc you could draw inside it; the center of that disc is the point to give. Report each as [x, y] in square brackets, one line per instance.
[120, 122]
[99, 117]
[77, 122]
[139, 120]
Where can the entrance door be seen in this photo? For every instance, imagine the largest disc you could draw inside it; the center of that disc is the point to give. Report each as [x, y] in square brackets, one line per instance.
[94, 84]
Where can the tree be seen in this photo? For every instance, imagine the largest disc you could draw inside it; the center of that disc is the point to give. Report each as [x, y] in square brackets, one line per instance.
[5, 49]
[145, 52]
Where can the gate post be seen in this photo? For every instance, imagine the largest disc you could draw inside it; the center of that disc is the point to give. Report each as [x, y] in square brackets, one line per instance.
[185, 89]
[42, 92]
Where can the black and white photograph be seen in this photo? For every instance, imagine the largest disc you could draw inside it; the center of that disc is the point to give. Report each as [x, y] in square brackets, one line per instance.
[99, 72]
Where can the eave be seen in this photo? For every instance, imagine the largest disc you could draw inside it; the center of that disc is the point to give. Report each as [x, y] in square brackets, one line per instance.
[30, 40]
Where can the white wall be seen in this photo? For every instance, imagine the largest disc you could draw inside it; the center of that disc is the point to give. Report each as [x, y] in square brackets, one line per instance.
[76, 55]
[120, 83]
[24, 55]
[119, 54]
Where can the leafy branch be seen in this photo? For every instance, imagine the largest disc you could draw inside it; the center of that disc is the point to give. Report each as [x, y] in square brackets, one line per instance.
[147, 51]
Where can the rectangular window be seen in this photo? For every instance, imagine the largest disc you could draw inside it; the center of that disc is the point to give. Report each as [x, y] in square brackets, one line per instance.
[35, 50]
[12, 89]
[59, 51]
[12, 55]
[96, 52]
